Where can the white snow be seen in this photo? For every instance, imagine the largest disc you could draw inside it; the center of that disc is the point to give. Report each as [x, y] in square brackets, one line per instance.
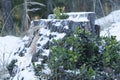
[45, 31]
[57, 24]
[113, 30]
[78, 16]
[46, 70]
[24, 67]
[66, 27]
[78, 13]
[25, 75]
[108, 20]
[43, 41]
[46, 52]
[23, 62]
[74, 16]
[77, 19]
[110, 24]
[8, 44]
[58, 35]
[25, 38]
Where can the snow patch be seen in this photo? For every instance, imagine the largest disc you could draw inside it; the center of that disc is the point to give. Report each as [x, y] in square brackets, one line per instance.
[58, 35]
[108, 20]
[8, 45]
[113, 30]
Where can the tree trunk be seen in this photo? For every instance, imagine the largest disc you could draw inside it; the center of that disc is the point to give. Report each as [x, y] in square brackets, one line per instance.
[25, 17]
[8, 26]
[50, 6]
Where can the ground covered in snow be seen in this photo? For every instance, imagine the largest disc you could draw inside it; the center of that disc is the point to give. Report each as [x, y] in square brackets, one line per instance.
[113, 30]
[110, 24]
[18, 51]
[8, 45]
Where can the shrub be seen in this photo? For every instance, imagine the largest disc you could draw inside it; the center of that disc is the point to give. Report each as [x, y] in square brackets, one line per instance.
[89, 55]
[59, 13]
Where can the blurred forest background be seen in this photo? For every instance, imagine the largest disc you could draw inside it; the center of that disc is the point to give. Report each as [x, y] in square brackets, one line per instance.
[15, 15]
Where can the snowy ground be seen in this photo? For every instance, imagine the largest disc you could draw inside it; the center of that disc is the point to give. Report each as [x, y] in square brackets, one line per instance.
[108, 20]
[113, 30]
[110, 25]
[8, 44]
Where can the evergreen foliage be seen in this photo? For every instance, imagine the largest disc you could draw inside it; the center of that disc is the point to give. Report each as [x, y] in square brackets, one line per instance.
[59, 13]
[91, 56]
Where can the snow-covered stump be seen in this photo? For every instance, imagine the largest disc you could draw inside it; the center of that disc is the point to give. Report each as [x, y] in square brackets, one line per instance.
[83, 19]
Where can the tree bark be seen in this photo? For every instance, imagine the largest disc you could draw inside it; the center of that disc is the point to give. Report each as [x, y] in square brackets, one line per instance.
[50, 6]
[8, 26]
